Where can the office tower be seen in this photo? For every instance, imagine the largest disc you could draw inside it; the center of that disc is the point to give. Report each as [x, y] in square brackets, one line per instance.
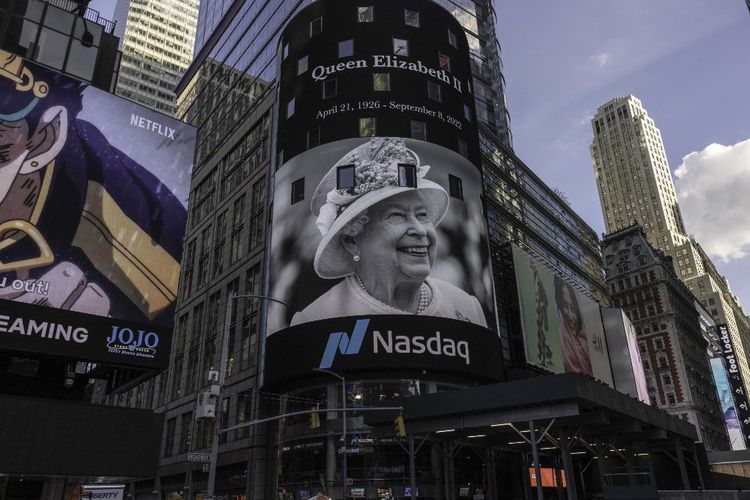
[156, 40]
[670, 336]
[228, 93]
[63, 36]
[635, 185]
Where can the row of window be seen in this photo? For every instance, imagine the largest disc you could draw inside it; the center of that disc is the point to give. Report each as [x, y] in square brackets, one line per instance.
[407, 177]
[418, 130]
[366, 14]
[381, 82]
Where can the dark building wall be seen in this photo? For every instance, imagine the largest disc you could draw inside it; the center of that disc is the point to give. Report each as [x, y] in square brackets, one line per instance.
[73, 439]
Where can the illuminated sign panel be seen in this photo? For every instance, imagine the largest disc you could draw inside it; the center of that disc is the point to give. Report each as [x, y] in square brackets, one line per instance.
[92, 216]
[741, 405]
[562, 327]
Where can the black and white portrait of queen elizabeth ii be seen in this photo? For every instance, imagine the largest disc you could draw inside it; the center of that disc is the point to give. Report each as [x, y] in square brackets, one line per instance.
[379, 240]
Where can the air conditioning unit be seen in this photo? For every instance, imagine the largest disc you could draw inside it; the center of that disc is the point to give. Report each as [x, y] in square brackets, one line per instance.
[213, 390]
[206, 406]
[213, 376]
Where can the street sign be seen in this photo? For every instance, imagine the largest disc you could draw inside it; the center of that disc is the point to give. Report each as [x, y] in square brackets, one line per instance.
[199, 457]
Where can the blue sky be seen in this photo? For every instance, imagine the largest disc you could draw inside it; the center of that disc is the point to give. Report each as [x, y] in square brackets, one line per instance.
[687, 60]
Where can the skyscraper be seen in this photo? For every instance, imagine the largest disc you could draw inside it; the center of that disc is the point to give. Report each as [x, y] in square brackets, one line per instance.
[156, 39]
[635, 185]
[228, 92]
[632, 173]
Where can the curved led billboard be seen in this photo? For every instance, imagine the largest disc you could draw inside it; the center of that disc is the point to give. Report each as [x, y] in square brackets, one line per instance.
[92, 216]
[379, 245]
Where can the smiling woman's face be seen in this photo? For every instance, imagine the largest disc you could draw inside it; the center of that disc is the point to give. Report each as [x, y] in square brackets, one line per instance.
[399, 240]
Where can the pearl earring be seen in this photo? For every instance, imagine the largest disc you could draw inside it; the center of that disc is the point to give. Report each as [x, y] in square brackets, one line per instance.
[355, 258]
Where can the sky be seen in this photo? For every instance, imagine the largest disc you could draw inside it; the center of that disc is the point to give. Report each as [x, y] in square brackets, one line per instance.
[686, 60]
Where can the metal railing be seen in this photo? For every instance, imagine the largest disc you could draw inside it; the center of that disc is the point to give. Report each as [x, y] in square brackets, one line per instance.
[90, 14]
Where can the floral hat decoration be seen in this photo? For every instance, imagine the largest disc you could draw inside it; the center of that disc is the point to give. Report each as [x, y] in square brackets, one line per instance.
[375, 179]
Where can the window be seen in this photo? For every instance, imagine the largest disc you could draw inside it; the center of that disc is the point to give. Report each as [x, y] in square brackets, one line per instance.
[667, 379]
[381, 82]
[169, 437]
[411, 18]
[285, 51]
[407, 175]
[186, 421]
[444, 61]
[316, 26]
[235, 237]
[452, 39]
[671, 399]
[367, 127]
[290, 107]
[400, 47]
[346, 48]
[345, 177]
[462, 148]
[433, 91]
[467, 112]
[301, 65]
[663, 364]
[313, 138]
[419, 130]
[365, 14]
[298, 190]
[455, 186]
[244, 408]
[329, 88]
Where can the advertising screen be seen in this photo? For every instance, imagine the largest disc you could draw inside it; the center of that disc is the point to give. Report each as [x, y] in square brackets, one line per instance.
[93, 192]
[562, 327]
[627, 369]
[378, 220]
[728, 408]
[741, 405]
[358, 254]
[549, 477]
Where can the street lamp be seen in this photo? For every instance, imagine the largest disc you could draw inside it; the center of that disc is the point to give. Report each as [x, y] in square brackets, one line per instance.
[343, 425]
[222, 376]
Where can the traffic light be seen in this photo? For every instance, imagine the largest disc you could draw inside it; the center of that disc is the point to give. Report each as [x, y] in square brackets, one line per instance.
[314, 418]
[400, 427]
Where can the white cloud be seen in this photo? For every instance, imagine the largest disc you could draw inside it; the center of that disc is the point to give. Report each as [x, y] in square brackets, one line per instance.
[713, 187]
[598, 61]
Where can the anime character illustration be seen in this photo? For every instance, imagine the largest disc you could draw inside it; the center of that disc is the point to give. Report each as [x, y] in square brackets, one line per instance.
[380, 236]
[83, 227]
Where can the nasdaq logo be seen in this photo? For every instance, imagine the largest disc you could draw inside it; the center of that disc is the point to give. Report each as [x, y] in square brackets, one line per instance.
[342, 342]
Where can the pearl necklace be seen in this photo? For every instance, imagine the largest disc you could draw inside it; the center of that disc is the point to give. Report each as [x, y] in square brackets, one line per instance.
[424, 299]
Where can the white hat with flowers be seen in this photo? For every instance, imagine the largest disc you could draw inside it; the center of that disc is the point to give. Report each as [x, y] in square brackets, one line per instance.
[375, 179]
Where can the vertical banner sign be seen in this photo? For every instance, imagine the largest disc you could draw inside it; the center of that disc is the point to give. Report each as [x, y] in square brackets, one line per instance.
[627, 368]
[728, 408]
[735, 382]
[93, 192]
[379, 244]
